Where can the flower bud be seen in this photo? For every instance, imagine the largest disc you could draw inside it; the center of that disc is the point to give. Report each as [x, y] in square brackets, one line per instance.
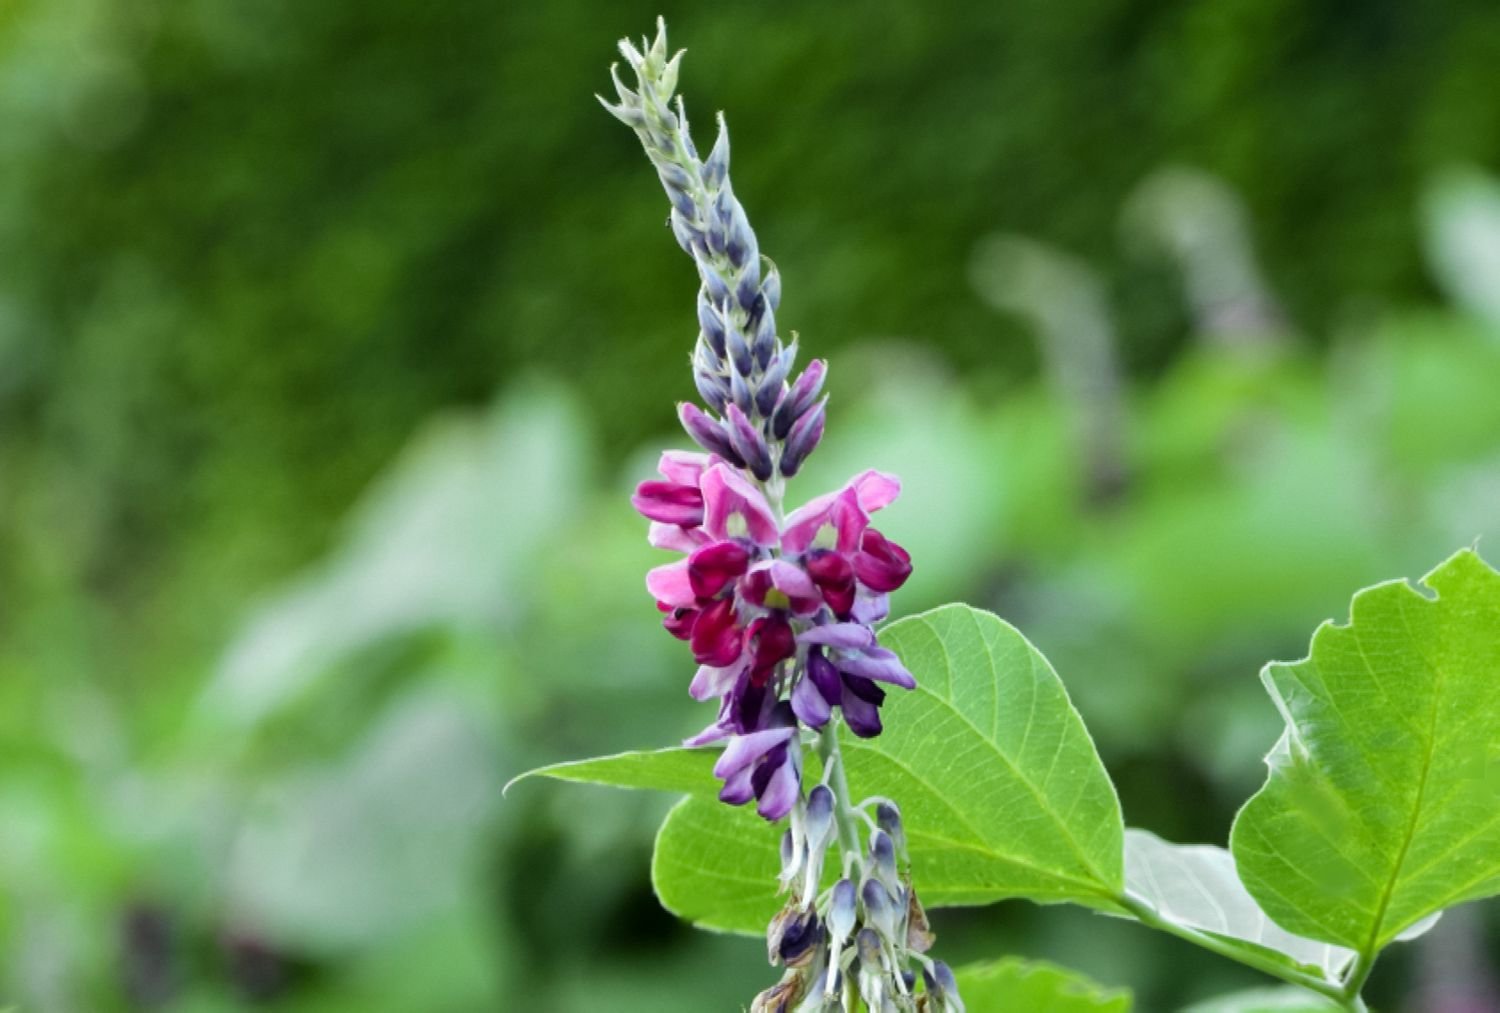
[740, 244]
[772, 384]
[770, 288]
[749, 443]
[739, 392]
[799, 398]
[879, 912]
[707, 433]
[888, 819]
[819, 817]
[713, 281]
[883, 855]
[711, 387]
[716, 168]
[739, 350]
[841, 910]
[764, 344]
[942, 986]
[802, 440]
[711, 321]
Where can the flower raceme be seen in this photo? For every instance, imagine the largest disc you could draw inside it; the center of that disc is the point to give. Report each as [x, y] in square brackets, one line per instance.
[778, 616]
[778, 612]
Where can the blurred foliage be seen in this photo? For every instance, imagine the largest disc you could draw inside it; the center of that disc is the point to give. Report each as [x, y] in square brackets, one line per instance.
[266, 656]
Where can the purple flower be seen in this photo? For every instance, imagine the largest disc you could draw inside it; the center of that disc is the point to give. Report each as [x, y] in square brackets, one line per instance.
[779, 617]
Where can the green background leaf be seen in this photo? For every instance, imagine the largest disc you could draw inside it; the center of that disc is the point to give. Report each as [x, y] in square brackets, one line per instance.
[1035, 987]
[1266, 1000]
[1383, 800]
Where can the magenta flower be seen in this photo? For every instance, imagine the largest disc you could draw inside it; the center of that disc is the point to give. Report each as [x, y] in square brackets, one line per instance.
[778, 616]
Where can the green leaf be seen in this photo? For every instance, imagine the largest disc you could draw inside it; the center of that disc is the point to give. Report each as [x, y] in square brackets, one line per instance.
[1196, 885]
[1014, 984]
[1000, 788]
[1383, 802]
[689, 771]
[1266, 1000]
[715, 866]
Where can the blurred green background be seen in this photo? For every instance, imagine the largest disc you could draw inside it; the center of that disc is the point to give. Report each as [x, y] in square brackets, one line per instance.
[333, 336]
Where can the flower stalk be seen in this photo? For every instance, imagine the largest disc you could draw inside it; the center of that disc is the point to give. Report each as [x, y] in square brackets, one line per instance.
[779, 609]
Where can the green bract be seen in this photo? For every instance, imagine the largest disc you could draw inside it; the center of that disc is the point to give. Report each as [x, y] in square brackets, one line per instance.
[1383, 802]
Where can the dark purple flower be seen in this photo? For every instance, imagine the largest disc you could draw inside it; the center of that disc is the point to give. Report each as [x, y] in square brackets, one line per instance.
[881, 564]
[715, 566]
[717, 638]
[669, 503]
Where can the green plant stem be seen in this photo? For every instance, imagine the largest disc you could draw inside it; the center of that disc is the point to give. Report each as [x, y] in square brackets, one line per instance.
[843, 809]
[1354, 983]
[1148, 915]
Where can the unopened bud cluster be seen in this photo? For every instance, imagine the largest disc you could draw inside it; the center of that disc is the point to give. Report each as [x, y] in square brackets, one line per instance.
[853, 946]
[757, 420]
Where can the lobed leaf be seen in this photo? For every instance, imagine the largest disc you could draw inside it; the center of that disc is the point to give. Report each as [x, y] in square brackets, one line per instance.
[1382, 806]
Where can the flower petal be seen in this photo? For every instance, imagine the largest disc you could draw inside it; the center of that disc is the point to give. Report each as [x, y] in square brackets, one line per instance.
[684, 467]
[714, 681]
[876, 663]
[675, 537]
[669, 503]
[713, 567]
[850, 636]
[808, 703]
[669, 584]
[726, 496]
[743, 750]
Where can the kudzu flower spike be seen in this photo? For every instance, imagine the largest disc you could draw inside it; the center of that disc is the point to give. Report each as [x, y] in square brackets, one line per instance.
[778, 610]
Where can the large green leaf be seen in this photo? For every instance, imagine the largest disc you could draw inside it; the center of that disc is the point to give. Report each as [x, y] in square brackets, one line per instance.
[1383, 802]
[1035, 987]
[1002, 792]
[1001, 789]
[715, 866]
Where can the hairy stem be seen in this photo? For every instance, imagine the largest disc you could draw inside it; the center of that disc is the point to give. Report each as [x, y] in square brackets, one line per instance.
[1146, 914]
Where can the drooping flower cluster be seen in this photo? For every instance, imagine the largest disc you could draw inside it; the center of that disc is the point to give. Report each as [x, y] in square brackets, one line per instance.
[859, 937]
[778, 615]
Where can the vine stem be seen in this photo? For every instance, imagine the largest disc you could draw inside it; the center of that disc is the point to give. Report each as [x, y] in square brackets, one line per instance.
[1147, 915]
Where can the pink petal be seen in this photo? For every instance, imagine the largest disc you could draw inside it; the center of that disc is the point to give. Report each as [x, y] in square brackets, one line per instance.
[876, 489]
[726, 494]
[674, 537]
[669, 584]
[683, 466]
